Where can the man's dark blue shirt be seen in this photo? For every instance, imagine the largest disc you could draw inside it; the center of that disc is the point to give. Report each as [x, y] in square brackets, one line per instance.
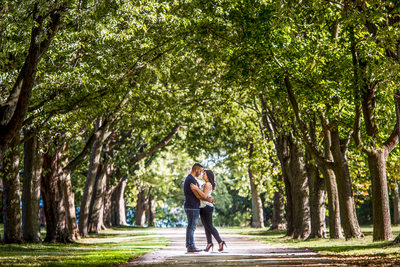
[191, 201]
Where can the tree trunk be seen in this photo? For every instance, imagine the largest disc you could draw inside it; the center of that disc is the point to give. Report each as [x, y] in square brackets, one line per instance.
[380, 196]
[31, 192]
[107, 217]
[317, 202]
[335, 231]
[298, 179]
[97, 206]
[53, 198]
[108, 213]
[59, 203]
[348, 216]
[282, 148]
[69, 202]
[256, 204]
[86, 201]
[396, 204]
[152, 209]
[11, 194]
[289, 207]
[141, 207]
[278, 211]
[118, 205]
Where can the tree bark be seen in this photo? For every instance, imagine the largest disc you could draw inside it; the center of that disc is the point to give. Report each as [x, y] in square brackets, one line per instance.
[295, 180]
[317, 202]
[365, 94]
[396, 204]
[152, 210]
[97, 206]
[107, 217]
[107, 211]
[278, 211]
[119, 204]
[141, 207]
[52, 193]
[282, 148]
[11, 194]
[31, 191]
[298, 179]
[335, 231]
[69, 203]
[380, 199]
[87, 196]
[88, 190]
[348, 215]
[325, 161]
[256, 204]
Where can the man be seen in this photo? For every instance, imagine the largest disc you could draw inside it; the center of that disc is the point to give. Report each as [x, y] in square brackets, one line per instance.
[192, 206]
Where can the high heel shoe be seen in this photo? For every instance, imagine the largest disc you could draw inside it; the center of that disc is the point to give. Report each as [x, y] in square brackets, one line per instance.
[222, 246]
[208, 247]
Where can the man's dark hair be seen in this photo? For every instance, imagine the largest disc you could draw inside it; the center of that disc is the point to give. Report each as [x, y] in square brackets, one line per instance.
[196, 165]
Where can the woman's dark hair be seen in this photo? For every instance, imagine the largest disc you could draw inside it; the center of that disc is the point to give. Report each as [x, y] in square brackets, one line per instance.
[210, 176]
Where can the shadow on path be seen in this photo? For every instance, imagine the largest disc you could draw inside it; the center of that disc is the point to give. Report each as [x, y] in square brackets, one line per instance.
[240, 252]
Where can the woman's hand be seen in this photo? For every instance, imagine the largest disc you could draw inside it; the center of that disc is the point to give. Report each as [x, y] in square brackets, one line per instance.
[193, 186]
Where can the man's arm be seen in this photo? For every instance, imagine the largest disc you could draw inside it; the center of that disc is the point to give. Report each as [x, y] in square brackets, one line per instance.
[200, 195]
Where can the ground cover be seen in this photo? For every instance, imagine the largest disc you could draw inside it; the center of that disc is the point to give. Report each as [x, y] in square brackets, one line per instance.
[110, 247]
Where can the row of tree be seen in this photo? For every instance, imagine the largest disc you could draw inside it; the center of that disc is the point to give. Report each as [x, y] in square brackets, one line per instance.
[296, 100]
[85, 95]
[321, 78]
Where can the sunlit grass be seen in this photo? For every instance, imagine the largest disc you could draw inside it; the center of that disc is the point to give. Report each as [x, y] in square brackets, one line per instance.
[361, 246]
[112, 246]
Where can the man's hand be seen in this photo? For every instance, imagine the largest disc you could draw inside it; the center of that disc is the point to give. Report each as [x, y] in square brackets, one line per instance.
[200, 194]
[193, 186]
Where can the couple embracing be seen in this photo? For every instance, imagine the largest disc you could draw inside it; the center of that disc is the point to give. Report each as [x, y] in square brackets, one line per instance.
[198, 202]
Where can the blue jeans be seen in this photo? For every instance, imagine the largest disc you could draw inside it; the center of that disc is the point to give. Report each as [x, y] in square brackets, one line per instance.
[192, 217]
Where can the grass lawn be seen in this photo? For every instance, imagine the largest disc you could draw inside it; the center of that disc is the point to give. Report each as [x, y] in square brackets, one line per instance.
[112, 246]
[355, 247]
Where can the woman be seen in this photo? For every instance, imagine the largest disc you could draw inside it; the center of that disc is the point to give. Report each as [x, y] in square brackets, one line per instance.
[206, 210]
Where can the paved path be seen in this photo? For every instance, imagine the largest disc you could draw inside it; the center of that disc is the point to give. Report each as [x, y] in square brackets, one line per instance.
[240, 252]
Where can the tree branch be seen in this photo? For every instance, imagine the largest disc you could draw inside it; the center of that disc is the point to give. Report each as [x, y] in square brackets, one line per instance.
[394, 138]
[156, 147]
[13, 112]
[303, 129]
